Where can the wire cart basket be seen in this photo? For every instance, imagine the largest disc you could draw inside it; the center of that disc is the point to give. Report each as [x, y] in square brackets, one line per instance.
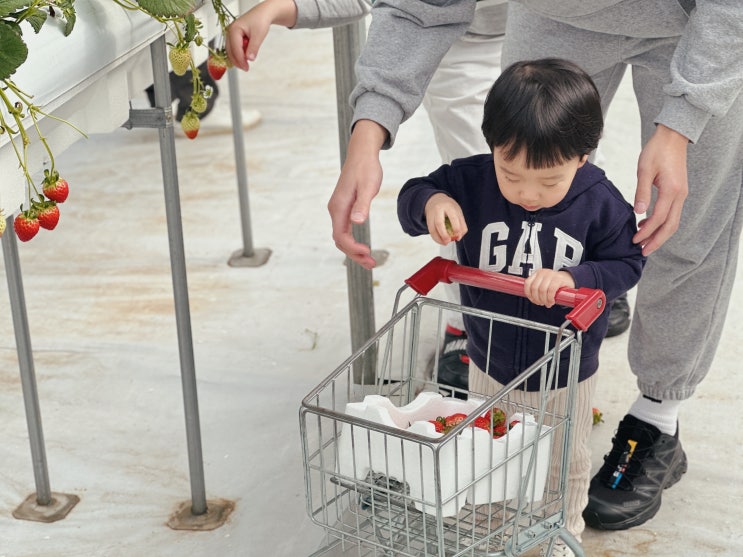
[379, 477]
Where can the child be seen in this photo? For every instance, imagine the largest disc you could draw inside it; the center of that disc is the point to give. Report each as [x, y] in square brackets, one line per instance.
[539, 210]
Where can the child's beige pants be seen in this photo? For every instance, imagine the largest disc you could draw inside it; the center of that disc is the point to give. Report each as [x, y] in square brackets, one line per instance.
[579, 470]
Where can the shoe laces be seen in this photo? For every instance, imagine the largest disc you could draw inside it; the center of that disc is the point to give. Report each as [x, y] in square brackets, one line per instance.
[631, 446]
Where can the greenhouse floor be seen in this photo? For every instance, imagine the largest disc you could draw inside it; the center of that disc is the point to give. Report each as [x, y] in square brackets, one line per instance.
[100, 307]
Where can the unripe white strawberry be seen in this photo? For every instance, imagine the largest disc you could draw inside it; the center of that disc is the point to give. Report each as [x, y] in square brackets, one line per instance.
[198, 103]
[180, 59]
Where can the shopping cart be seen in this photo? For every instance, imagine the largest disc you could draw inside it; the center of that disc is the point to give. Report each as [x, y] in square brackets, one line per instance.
[382, 481]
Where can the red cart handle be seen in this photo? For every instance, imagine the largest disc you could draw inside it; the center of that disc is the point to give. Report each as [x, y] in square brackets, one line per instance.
[587, 303]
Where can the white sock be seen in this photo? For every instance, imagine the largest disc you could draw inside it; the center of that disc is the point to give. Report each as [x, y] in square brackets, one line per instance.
[663, 414]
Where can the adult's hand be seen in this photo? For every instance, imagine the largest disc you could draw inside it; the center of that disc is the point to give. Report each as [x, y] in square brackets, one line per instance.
[358, 184]
[662, 164]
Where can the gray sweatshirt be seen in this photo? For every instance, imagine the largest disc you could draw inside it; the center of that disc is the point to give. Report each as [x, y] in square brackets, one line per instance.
[408, 38]
[489, 19]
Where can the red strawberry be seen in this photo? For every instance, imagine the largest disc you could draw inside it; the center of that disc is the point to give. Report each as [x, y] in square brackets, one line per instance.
[26, 226]
[216, 65]
[438, 424]
[56, 188]
[598, 417]
[483, 422]
[190, 124]
[48, 215]
[454, 419]
[500, 431]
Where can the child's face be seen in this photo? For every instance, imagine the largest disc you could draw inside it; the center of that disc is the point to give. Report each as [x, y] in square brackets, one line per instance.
[534, 188]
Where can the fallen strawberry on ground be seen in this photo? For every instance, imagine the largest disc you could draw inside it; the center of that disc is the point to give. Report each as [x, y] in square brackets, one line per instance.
[598, 417]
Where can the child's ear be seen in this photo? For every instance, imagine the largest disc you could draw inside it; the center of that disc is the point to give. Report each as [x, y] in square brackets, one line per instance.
[583, 160]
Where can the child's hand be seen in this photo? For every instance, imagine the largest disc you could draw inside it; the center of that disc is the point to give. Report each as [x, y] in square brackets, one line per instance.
[542, 286]
[445, 219]
[246, 34]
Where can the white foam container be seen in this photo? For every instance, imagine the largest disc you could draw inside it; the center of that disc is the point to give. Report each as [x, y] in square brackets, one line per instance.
[471, 456]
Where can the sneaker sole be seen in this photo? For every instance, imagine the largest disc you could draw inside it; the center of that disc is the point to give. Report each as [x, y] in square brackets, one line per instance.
[594, 521]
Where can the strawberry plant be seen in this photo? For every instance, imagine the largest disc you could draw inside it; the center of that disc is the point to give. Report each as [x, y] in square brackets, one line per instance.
[19, 116]
[185, 27]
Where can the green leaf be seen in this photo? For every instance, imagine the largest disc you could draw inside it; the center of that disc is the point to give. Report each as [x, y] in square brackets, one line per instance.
[13, 50]
[190, 33]
[168, 8]
[70, 19]
[8, 7]
[36, 19]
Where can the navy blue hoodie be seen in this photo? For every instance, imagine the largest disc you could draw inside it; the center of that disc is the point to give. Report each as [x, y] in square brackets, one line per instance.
[588, 234]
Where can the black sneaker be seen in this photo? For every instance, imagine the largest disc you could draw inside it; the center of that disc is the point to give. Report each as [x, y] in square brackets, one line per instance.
[619, 319]
[626, 491]
[454, 364]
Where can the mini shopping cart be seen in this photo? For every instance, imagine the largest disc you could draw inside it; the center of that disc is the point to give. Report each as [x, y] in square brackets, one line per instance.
[382, 481]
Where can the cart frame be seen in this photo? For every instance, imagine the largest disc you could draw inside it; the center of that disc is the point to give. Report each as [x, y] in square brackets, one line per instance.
[383, 488]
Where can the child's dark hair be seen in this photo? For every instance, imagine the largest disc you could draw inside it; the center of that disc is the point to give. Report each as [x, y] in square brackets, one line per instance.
[549, 108]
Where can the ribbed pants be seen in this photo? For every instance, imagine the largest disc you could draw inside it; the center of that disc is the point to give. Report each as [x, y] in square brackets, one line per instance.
[579, 467]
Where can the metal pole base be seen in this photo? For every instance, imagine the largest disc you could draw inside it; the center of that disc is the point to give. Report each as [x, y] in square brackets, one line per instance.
[59, 507]
[259, 257]
[217, 513]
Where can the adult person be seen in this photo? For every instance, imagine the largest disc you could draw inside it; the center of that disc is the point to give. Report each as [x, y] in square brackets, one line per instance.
[687, 75]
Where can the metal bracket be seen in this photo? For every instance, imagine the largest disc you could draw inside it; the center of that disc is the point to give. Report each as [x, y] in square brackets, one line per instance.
[156, 117]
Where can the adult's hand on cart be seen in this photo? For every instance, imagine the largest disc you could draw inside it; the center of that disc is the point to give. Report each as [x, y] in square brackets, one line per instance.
[245, 34]
[662, 164]
[445, 219]
[542, 286]
[358, 184]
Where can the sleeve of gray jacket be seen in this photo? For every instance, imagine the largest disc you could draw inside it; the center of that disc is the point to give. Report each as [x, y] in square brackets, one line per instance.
[313, 14]
[707, 67]
[405, 44]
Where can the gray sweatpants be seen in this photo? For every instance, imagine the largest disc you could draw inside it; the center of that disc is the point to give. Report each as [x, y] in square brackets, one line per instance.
[683, 296]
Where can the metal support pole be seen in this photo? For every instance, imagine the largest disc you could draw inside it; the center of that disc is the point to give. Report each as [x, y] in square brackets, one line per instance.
[248, 256]
[44, 506]
[347, 42]
[197, 515]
